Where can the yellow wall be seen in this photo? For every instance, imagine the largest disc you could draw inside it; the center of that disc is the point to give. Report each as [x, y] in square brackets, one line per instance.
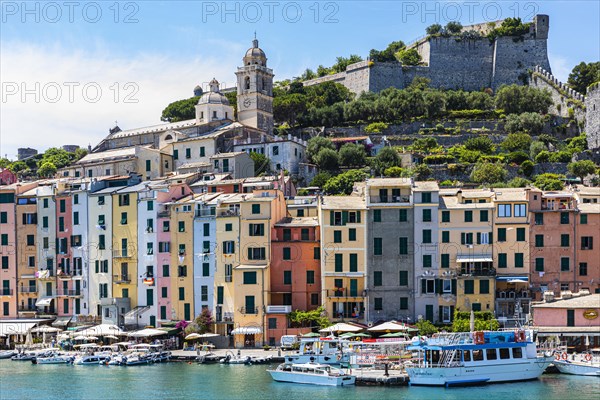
[182, 211]
[129, 232]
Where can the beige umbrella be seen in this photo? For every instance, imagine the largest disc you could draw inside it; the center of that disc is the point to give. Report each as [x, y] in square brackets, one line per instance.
[45, 329]
[391, 326]
[209, 334]
[111, 337]
[193, 336]
[341, 327]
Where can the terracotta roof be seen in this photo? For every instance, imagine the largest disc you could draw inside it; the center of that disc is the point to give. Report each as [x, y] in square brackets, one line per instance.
[585, 301]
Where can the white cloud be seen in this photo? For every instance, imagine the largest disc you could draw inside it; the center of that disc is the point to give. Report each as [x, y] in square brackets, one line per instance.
[561, 67]
[159, 78]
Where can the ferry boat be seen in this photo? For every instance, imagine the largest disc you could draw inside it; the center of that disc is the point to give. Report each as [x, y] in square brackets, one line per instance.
[329, 350]
[477, 358]
[586, 364]
[313, 374]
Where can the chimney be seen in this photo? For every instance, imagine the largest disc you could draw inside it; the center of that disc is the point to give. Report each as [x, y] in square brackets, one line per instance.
[548, 296]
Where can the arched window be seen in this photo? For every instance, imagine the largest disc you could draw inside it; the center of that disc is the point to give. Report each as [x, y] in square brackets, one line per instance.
[247, 82]
[168, 137]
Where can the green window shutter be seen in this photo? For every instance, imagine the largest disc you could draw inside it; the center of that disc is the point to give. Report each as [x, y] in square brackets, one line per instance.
[403, 245]
[403, 278]
[438, 286]
[339, 267]
[377, 246]
[539, 264]
[454, 286]
[519, 263]
[502, 260]
[403, 215]
[377, 278]
[287, 253]
[583, 219]
[376, 215]
[478, 237]
[484, 286]
[97, 266]
[520, 234]
[502, 234]
[352, 234]
[344, 217]
[220, 295]
[358, 217]
[445, 236]
[445, 260]
[564, 264]
[353, 262]
[423, 286]
[462, 238]
[331, 217]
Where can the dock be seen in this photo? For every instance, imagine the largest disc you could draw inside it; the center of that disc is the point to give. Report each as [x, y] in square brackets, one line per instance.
[377, 377]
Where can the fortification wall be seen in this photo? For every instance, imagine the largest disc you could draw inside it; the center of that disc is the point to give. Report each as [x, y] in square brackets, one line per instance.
[592, 116]
[514, 56]
[563, 97]
[385, 75]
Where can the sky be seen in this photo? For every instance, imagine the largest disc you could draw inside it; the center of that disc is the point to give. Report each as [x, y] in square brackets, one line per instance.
[70, 70]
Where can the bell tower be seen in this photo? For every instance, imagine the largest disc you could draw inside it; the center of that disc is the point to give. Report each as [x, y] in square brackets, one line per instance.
[255, 90]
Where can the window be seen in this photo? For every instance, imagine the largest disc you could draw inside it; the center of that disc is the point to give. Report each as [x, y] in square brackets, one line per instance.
[564, 218]
[165, 270]
[287, 253]
[520, 234]
[564, 264]
[205, 269]
[520, 210]
[101, 242]
[564, 240]
[255, 208]
[446, 286]
[377, 278]
[570, 317]
[403, 246]
[256, 253]
[351, 234]
[539, 219]
[469, 286]
[426, 235]
[519, 260]
[62, 205]
[316, 253]
[181, 226]
[45, 203]
[275, 150]
[287, 235]
[182, 249]
[403, 281]
[256, 229]
[175, 154]
[404, 303]
[310, 277]
[587, 243]
[539, 264]
[445, 216]
[314, 299]
[182, 271]
[502, 234]
[123, 218]
[30, 240]
[287, 277]
[181, 294]
[403, 215]
[250, 277]
[202, 151]
[504, 353]
[426, 197]
[353, 262]
[61, 224]
[4, 262]
[188, 153]
[337, 236]
[504, 210]
[300, 213]
[446, 315]
[539, 240]
[46, 243]
[228, 272]
[376, 215]
[468, 216]
[428, 286]
[583, 268]
[427, 260]
[377, 246]
[228, 227]
[378, 304]
[483, 215]
[583, 219]
[123, 199]
[517, 352]
[339, 263]
[426, 215]
[164, 247]
[445, 260]
[484, 286]
[304, 234]
[76, 241]
[491, 354]
[164, 292]
[502, 260]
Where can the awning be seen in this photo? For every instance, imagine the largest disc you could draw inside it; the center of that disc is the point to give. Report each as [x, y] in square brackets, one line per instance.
[61, 321]
[44, 301]
[249, 266]
[247, 330]
[567, 331]
[467, 258]
[512, 278]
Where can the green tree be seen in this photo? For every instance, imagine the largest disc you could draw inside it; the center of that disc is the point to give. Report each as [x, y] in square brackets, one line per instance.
[47, 170]
[386, 55]
[17, 166]
[526, 168]
[549, 181]
[79, 154]
[308, 74]
[376, 127]
[453, 27]
[309, 319]
[320, 179]
[342, 62]
[484, 321]
[386, 158]
[583, 75]
[433, 29]
[425, 327]
[515, 99]
[289, 107]
[315, 145]
[424, 145]
[516, 142]
[480, 143]
[409, 57]
[352, 155]
[327, 159]
[59, 157]
[421, 172]
[343, 183]
[262, 164]
[393, 172]
[519, 182]
[487, 173]
[536, 148]
[582, 168]
[180, 110]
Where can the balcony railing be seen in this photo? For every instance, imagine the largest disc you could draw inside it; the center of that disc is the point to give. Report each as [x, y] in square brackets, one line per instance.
[205, 212]
[164, 213]
[69, 292]
[31, 289]
[477, 270]
[279, 309]
[46, 274]
[344, 292]
[31, 308]
[123, 253]
[245, 310]
[231, 212]
[6, 292]
[390, 199]
[122, 278]
[224, 317]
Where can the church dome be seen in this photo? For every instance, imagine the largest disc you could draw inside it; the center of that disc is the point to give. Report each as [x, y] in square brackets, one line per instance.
[255, 55]
[214, 96]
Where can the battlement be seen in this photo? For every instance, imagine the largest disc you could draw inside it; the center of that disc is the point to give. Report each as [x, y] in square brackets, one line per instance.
[563, 87]
[592, 116]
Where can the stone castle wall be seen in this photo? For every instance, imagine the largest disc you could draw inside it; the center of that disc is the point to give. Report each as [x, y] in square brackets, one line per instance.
[563, 97]
[513, 58]
[592, 116]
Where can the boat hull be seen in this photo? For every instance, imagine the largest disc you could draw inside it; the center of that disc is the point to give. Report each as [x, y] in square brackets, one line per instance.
[578, 368]
[527, 369]
[316, 358]
[321, 380]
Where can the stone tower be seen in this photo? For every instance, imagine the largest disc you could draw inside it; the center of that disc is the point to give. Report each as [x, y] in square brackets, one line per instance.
[255, 90]
[542, 25]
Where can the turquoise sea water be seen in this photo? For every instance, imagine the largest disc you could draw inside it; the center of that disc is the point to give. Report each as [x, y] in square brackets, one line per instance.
[23, 380]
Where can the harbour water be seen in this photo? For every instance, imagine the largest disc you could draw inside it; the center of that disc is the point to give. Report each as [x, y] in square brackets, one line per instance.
[22, 380]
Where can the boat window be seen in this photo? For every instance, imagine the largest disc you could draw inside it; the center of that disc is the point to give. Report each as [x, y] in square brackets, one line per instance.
[504, 354]
[477, 355]
[491, 354]
[517, 352]
[466, 355]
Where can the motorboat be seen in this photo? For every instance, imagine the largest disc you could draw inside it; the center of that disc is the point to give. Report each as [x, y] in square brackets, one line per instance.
[232, 359]
[7, 354]
[116, 359]
[91, 359]
[261, 360]
[24, 356]
[207, 358]
[468, 358]
[329, 350]
[586, 364]
[313, 374]
[54, 359]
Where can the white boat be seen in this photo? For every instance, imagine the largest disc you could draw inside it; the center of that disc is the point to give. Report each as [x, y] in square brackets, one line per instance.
[7, 354]
[313, 374]
[586, 364]
[231, 359]
[321, 351]
[54, 359]
[91, 359]
[476, 358]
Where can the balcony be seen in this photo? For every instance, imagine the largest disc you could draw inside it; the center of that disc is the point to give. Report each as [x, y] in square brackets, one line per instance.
[31, 289]
[45, 274]
[28, 309]
[164, 213]
[226, 317]
[69, 292]
[64, 273]
[123, 278]
[6, 292]
[344, 292]
[279, 309]
[231, 212]
[244, 310]
[479, 269]
[205, 212]
[389, 199]
[123, 253]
